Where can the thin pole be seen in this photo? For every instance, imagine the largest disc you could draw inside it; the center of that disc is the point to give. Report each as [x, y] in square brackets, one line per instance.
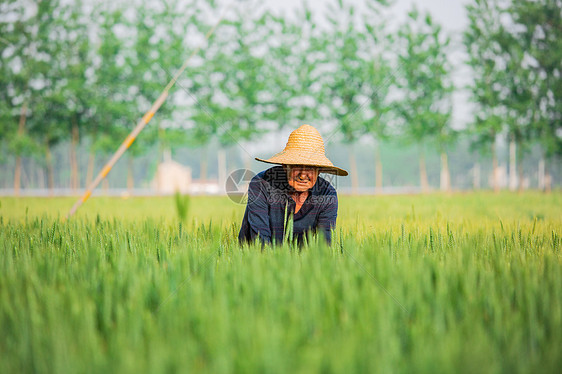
[139, 127]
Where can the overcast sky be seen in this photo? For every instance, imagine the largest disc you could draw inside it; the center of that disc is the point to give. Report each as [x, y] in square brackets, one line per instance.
[449, 13]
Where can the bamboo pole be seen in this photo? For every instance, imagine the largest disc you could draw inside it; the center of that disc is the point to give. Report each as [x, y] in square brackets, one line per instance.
[139, 127]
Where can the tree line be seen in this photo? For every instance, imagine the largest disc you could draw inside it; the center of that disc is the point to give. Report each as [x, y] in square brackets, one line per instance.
[77, 71]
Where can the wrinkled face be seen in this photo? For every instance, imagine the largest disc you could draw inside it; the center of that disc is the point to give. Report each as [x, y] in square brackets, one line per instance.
[301, 177]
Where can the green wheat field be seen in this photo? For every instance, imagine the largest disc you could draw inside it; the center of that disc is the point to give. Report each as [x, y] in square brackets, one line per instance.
[461, 283]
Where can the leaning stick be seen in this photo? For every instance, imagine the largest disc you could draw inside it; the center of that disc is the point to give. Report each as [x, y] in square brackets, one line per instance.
[139, 127]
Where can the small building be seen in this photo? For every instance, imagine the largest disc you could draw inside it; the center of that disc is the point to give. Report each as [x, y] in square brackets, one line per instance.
[171, 176]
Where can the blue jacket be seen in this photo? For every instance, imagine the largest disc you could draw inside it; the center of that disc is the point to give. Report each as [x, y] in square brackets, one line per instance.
[270, 203]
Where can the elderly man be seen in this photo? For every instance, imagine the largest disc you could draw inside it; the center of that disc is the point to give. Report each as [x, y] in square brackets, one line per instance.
[295, 190]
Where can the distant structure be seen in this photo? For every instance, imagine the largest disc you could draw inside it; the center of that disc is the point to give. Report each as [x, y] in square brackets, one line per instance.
[501, 175]
[172, 177]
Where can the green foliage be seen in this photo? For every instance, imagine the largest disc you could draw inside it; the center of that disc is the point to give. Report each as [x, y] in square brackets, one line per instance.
[26, 51]
[98, 66]
[469, 283]
[182, 205]
[354, 92]
[229, 87]
[486, 86]
[425, 108]
[514, 49]
[22, 144]
[295, 60]
[539, 36]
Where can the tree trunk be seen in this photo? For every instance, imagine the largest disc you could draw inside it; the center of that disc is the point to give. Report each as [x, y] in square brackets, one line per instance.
[32, 176]
[520, 168]
[130, 175]
[247, 161]
[203, 165]
[353, 171]
[378, 168]
[17, 176]
[495, 181]
[540, 175]
[512, 165]
[445, 177]
[71, 162]
[221, 160]
[50, 170]
[476, 176]
[40, 178]
[547, 178]
[423, 172]
[17, 171]
[25, 180]
[74, 157]
[90, 170]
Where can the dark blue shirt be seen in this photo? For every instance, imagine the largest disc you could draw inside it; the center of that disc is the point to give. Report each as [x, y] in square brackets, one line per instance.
[270, 204]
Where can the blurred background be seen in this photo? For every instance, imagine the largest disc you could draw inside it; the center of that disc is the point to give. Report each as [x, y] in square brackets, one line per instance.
[410, 96]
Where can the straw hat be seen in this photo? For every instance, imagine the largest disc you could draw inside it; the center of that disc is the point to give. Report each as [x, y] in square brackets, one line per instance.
[305, 147]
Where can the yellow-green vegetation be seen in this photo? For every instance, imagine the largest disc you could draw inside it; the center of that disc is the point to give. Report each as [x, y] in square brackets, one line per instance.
[437, 283]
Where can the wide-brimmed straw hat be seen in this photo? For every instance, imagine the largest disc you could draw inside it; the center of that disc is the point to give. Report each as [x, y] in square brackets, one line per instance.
[305, 147]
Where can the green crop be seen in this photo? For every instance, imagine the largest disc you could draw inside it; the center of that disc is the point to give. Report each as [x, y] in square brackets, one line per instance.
[459, 283]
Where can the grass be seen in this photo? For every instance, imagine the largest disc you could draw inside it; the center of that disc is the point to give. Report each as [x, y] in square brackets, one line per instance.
[460, 283]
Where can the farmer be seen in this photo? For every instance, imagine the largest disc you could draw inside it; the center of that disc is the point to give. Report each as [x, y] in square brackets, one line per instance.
[292, 189]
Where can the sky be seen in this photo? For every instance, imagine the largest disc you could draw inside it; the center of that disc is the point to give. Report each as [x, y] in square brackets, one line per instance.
[449, 13]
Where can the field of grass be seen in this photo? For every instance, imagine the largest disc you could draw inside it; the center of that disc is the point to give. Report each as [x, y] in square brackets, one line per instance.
[438, 283]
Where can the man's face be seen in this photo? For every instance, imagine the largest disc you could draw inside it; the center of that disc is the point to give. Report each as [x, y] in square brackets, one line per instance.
[300, 177]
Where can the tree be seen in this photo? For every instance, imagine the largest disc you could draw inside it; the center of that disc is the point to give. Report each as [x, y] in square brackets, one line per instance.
[110, 84]
[294, 68]
[148, 72]
[6, 120]
[70, 95]
[425, 107]
[138, 54]
[229, 86]
[507, 87]
[518, 101]
[379, 79]
[483, 52]
[538, 32]
[26, 61]
[346, 87]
